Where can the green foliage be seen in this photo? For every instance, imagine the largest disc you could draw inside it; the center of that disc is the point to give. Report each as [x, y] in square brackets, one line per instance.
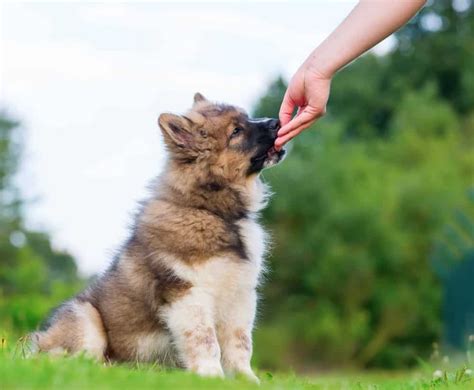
[453, 260]
[440, 53]
[360, 200]
[9, 152]
[456, 243]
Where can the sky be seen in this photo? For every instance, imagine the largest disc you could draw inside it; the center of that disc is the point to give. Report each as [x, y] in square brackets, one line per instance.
[88, 81]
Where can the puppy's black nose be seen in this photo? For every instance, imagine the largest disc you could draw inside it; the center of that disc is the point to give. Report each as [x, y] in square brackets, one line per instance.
[274, 124]
[267, 125]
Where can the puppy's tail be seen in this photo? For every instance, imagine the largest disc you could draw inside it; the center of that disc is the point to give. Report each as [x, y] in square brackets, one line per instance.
[45, 341]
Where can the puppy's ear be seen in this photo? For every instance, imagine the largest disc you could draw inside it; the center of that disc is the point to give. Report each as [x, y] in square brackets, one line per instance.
[199, 98]
[177, 130]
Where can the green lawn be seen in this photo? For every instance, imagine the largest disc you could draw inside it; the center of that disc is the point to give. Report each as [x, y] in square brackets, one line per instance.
[17, 372]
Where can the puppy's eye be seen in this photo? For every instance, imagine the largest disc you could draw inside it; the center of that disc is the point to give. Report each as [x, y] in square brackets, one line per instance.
[236, 132]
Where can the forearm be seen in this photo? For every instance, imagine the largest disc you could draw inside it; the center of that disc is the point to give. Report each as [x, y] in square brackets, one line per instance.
[369, 23]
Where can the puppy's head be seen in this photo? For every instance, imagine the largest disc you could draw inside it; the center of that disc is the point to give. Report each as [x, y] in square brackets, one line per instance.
[222, 138]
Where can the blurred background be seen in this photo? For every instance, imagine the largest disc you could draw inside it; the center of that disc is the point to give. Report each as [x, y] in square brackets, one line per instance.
[373, 222]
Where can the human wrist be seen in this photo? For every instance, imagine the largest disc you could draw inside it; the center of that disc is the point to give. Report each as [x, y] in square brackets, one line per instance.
[319, 64]
[325, 61]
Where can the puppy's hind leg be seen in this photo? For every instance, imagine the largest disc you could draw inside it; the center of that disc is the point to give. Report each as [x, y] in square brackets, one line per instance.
[75, 327]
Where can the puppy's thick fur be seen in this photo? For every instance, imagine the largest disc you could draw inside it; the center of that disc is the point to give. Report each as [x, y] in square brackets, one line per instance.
[182, 291]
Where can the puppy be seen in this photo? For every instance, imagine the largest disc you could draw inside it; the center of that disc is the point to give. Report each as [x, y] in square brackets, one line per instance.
[182, 290]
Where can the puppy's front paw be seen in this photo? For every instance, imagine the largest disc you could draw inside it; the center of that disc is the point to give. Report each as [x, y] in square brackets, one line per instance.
[210, 369]
[249, 375]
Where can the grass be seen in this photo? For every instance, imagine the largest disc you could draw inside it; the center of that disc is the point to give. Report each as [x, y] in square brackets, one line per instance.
[40, 372]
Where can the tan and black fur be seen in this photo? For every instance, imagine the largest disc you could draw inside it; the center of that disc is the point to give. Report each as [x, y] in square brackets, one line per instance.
[182, 290]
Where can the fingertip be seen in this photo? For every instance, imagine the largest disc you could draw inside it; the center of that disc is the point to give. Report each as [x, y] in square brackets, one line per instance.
[282, 131]
[282, 140]
[288, 128]
[278, 143]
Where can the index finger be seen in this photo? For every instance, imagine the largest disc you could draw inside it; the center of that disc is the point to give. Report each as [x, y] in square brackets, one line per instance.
[304, 120]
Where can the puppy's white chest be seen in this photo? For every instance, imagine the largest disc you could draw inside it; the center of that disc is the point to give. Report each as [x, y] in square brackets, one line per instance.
[254, 239]
[243, 274]
[221, 274]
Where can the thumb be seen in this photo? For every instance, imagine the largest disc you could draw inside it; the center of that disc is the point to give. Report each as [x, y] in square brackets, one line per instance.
[286, 109]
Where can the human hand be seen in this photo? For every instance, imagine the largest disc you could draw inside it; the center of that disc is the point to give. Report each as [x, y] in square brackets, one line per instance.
[367, 24]
[309, 91]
